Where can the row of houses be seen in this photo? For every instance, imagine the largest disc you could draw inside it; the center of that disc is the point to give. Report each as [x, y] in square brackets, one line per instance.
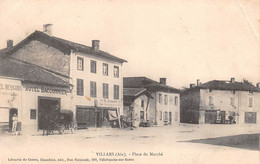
[44, 73]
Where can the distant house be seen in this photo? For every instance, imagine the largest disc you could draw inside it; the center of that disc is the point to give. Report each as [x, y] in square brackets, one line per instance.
[136, 103]
[218, 101]
[164, 108]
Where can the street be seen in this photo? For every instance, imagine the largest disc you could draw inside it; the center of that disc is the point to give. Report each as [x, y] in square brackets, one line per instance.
[183, 143]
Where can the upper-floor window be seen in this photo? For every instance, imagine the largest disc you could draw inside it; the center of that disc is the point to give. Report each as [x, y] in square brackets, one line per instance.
[210, 100]
[160, 98]
[93, 66]
[105, 90]
[116, 91]
[141, 115]
[105, 69]
[232, 101]
[176, 100]
[142, 103]
[80, 63]
[165, 99]
[160, 115]
[116, 71]
[93, 89]
[250, 101]
[80, 87]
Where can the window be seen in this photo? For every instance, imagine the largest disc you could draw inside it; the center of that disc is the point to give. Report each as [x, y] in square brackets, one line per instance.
[33, 114]
[80, 63]
[80, 87]
[250, 117]
[165, 116]
[93, 66]
[116, 91]
[165, 99]
[105, 69]
[176, 100]
[210, 100]
[141, 115]
[232, 101]
[250, 101]
[142, 103]
[116, 71]
[93, 89]
[105, 90]
[160, 98]
[160, 115]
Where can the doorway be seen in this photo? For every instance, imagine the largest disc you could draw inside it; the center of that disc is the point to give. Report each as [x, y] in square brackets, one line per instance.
[48, 108]
[12, 111]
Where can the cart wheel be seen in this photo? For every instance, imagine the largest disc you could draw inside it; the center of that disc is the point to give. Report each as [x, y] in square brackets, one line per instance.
[62, 128]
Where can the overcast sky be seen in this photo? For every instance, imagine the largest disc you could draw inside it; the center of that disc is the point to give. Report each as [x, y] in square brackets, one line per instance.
[182, 40]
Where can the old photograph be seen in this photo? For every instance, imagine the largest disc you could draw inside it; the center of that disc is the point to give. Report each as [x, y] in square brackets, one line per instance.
[110, 81]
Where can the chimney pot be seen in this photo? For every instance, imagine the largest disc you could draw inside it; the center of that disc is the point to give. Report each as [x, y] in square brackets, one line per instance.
[163, 81]
[95, 45]
[198, 82]
[47, 28]
[257, 85]
[192, 85]
[9, 44]
[232, 80]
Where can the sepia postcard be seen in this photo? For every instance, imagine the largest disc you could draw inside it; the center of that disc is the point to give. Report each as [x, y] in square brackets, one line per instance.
[110, 81]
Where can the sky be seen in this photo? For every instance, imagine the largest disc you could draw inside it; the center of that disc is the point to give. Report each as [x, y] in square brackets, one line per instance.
[182, 40]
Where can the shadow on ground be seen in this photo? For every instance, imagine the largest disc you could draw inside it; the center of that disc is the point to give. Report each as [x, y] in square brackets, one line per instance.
[243, 141]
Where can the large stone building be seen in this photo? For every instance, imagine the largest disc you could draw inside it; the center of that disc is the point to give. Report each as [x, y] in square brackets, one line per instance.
[95, 76]
[217, 101]
[164, 108]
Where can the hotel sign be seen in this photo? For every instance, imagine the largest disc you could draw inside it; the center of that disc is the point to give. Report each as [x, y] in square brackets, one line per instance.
[45, 90]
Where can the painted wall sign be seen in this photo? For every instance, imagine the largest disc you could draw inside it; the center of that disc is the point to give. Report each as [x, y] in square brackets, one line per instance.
[106, 102]
[10, 87]
[45, 90]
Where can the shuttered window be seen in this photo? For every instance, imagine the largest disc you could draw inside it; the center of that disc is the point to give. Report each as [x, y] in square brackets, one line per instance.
[93, 89]
[93, 66]
[80, 63]
[105, 90]
[80, 87]
[105, 69]
[116, 91]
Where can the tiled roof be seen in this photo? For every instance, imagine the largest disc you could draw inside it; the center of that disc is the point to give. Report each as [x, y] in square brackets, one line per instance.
[63, 45]
[135, 92]
[27, 72]
[150, 85]
[225, 85]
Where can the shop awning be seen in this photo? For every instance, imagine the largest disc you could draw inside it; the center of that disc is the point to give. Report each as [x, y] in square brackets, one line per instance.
[112, 115]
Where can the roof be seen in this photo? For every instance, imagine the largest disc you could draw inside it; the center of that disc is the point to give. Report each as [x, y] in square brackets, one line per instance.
[150, 85]
[10, 67]
[227, 85]
[136, 92]
[64, 46]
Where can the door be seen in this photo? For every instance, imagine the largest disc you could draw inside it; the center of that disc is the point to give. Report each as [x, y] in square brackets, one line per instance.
[170, 118]
[48, 109]
[250, 117]
[210, 117]
[12, 111]
[85, 118]
[98, 119]
[222, 115]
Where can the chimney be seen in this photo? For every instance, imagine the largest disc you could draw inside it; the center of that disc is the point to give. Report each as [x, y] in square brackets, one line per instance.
[192, 85]
[9, 44]
[163, 81]
[47, 28]
[198, 82]
[232, 80]
[95, 45]
[257, 85]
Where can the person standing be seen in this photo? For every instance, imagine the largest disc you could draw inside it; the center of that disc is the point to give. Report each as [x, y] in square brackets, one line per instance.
[15, 120]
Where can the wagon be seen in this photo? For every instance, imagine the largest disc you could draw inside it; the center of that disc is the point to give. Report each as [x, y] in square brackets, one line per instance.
[63, 120]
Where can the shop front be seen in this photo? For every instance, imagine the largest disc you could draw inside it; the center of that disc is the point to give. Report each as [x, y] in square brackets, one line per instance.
[10, 104]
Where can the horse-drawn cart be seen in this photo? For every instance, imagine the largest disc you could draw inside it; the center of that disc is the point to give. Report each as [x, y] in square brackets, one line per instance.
[61, 121]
